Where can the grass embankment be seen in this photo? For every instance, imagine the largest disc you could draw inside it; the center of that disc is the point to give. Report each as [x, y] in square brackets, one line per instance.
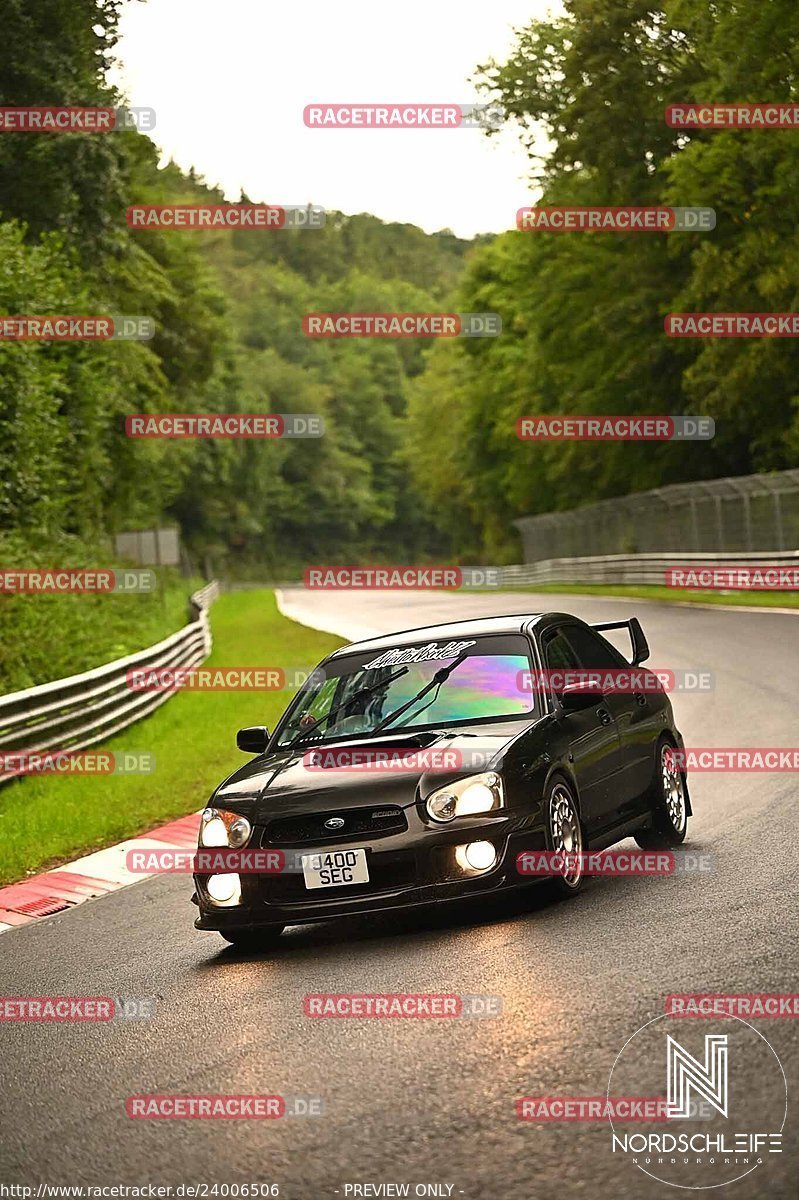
[657, 592]
[45, 637]
[46, 819]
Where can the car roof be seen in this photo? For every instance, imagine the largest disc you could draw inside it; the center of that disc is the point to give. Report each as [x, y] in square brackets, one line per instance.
[475, 627]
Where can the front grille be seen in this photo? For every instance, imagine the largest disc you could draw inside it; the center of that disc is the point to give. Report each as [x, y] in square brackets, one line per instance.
[358, 823]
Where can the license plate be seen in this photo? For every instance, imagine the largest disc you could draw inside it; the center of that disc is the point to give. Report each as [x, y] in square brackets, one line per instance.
[335, 868]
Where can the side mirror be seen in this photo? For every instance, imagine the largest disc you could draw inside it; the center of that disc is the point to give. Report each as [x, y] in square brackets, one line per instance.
[253, 740]
[579, 695]
[640, 644]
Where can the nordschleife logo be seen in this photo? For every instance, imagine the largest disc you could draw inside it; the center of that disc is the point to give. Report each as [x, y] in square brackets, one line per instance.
[726, 1102]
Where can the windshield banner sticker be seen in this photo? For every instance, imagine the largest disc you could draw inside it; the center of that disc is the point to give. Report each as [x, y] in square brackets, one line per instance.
[415, 654]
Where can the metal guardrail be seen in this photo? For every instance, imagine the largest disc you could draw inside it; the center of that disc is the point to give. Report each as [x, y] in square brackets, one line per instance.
[634, 568]
[82, 710]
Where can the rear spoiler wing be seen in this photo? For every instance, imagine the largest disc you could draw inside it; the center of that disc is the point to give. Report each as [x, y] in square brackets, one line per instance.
[640, 646]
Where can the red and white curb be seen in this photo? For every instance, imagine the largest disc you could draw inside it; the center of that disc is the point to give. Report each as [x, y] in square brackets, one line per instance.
[93, 875]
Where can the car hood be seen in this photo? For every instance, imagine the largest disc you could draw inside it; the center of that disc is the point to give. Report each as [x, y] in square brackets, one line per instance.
[284, 783]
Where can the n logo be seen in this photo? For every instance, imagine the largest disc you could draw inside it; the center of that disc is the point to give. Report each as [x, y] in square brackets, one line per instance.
[686, 1073]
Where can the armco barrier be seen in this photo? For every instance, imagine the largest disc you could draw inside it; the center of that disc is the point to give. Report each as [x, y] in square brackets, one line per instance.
[634, 568]
[606, 568]
[73, 713]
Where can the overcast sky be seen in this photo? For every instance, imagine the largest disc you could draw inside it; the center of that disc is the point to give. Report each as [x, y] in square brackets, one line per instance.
[229, 82]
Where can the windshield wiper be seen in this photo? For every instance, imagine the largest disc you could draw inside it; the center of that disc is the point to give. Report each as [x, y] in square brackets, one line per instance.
[436, 681]
[364, 691]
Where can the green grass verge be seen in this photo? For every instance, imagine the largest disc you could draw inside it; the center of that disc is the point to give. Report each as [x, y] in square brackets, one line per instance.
[657, 592]
[50, 819]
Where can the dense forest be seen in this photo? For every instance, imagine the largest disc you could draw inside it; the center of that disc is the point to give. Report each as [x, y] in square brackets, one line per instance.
[583, 313]
[420, 457]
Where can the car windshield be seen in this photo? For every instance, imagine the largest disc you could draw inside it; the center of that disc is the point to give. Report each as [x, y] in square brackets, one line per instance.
[355, 694]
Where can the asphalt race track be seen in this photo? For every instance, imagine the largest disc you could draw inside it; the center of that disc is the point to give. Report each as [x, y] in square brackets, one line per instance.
[426, 1101]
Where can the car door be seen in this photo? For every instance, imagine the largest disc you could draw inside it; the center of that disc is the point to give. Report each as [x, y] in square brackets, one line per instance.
[594, 742]
[632, 713]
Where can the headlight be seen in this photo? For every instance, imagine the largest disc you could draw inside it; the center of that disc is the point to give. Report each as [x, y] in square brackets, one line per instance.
[477, 794]
[239, 832]
[220, 828]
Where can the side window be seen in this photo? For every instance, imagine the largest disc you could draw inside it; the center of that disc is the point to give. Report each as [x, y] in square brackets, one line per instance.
[591, 650]
[558, 655]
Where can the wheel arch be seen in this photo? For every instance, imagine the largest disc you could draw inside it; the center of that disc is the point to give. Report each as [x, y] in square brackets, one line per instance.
[560, 770]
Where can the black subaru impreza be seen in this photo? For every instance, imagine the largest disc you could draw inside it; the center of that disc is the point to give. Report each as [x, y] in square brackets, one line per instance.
[417, 767]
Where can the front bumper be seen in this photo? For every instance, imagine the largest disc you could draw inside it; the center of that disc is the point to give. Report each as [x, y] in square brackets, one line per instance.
[406, 870]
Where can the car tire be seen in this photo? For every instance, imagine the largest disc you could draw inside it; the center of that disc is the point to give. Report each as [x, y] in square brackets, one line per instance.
[253, 939]
[564, 832]
[668, 800]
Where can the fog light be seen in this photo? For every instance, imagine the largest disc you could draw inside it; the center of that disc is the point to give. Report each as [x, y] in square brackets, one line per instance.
[224, 889]
[477, 856]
